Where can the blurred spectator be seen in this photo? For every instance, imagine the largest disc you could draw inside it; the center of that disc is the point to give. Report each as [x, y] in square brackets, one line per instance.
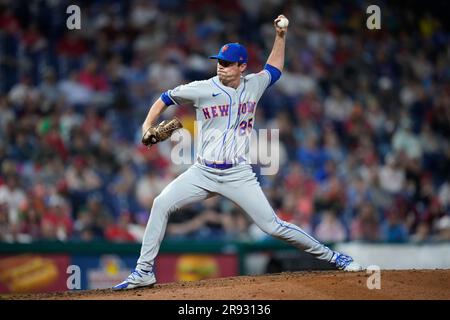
[405, 140]
[330, 229]
[444, 194]
[92, 78]
[105, 159]
[118, 232]
[148, 187]
[74, 92]
[330, 195]
[185, 223]
[142, 13]
[72, 45]
[6, 113]
[287, 211]
[164, 74]
[241, 227]
[23, 92]
[358, 193]
[208, 223]
[365, 226]
[422, 233]
[392, 176]
[443, 227]
[84, 228]
[123, 189]
[80, 177]
[12, 196]
[332, 145]
[49, 88]
[337, 108]
[68, 121]
[56, 220]
[393, 229]
[7, 233]
[92, 219]
[30, 222]
[311, 156]
[431, 146]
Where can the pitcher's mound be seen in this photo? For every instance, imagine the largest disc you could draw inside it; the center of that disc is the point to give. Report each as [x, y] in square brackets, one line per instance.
[400, 284]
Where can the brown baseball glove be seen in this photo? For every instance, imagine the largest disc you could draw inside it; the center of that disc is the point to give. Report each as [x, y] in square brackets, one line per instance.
[161, 132]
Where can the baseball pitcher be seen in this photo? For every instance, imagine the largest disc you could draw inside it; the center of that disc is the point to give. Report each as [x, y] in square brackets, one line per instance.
[225, 110]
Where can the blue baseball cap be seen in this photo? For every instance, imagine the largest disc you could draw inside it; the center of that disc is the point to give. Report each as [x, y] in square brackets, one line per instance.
[232, 52]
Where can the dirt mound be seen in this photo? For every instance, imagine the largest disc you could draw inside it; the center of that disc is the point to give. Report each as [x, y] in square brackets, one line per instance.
[394, 285]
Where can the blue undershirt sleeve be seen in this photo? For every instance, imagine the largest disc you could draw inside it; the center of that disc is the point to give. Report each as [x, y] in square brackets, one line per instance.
[166, 99]
[275, 73]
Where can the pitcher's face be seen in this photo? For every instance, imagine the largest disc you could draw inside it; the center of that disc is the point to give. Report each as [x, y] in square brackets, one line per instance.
[229, 71]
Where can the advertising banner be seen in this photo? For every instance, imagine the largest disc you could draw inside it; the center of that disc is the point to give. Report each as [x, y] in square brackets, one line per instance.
[52, 272]
[33, 273]
[192, 267]
[104, 271]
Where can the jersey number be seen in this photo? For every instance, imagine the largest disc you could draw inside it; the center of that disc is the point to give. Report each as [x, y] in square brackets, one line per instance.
[244, 125]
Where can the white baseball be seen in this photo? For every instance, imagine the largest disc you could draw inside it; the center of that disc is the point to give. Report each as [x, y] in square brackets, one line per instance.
[283, 23]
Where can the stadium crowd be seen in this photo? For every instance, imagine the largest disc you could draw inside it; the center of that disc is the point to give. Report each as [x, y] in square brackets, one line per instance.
[363, 116]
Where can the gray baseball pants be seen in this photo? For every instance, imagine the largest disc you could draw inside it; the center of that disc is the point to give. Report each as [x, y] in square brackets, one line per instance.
[238, 184]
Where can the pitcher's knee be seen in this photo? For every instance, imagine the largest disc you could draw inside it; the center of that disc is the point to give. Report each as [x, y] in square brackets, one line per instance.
[161, 205]
[275, 233]
[272, 229]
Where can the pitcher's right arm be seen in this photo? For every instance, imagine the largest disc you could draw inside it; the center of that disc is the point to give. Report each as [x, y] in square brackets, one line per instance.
[153, 114]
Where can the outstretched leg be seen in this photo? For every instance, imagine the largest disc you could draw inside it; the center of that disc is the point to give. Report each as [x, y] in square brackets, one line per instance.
[248, 194]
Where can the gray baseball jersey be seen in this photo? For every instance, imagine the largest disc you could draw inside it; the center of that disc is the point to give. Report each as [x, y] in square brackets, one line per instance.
[226, 117]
